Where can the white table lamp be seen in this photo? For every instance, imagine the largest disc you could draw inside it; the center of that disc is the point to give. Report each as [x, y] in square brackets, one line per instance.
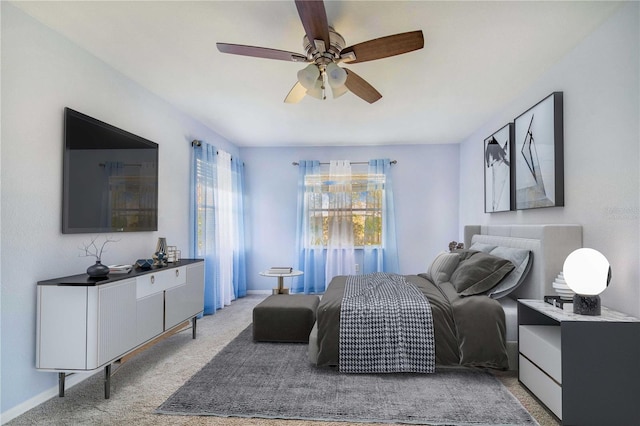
[588, 273]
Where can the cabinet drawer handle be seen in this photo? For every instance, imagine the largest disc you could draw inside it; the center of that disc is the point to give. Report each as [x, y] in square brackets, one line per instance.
[177, 272]
[153, 279]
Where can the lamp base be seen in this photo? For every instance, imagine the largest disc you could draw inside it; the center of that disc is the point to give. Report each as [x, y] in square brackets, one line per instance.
[586, 305]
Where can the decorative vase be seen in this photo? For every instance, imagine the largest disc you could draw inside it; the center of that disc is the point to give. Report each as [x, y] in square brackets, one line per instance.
[162, 245]
[161, 252]
[98, 270]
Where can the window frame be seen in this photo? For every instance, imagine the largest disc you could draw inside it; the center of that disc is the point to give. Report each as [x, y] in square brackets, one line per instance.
[365, 187]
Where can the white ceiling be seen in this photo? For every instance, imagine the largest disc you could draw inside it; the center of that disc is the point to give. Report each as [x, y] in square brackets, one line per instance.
[478, 56]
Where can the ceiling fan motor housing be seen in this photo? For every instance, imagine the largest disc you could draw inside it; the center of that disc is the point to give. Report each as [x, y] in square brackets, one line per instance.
[318, 52]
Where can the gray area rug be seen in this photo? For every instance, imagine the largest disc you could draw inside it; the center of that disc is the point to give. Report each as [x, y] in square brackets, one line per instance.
[275, 380]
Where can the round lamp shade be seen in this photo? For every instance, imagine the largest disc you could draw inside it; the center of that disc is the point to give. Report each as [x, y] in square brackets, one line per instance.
[336, 75]
[308, 76]
[316, 90]
[587, 272]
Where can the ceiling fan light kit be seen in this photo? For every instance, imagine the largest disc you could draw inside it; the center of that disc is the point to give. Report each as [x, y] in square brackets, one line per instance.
[337, 76]
[308, 76]
[317, 91]
[324, 49]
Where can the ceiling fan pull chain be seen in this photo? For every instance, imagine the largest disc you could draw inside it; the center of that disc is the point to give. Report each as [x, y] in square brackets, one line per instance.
[324, 84]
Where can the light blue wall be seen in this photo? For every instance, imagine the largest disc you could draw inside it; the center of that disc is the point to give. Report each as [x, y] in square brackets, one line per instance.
[600, 81]
[425, 186]
[42, 72]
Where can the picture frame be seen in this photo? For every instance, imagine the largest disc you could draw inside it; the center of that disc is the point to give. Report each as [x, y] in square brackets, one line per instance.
[498, 175]
[539, 155]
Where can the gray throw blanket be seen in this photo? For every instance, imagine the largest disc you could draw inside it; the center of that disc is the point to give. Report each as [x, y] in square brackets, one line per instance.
[385, 326]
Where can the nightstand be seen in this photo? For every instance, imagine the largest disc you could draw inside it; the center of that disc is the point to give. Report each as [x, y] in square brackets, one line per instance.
[585, 369]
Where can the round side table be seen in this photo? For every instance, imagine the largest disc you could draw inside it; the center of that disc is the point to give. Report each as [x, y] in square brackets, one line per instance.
[280, 289]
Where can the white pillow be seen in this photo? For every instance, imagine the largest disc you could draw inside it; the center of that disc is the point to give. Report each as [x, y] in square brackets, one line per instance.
[521, 258]
[442, 267]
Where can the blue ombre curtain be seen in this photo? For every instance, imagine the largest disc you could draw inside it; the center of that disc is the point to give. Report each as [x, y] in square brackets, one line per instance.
[310, 251]
[203, 220]
[239, 258]
[340, 257]
[217, 223]
[383, 258]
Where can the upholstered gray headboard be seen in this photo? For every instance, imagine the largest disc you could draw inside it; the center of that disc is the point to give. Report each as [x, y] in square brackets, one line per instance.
[550, 245]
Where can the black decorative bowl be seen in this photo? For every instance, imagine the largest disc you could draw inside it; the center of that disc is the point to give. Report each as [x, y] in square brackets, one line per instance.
[144, 263]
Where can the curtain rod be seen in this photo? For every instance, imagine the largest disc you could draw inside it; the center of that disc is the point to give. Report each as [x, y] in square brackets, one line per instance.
[196, 143]
[295, 163]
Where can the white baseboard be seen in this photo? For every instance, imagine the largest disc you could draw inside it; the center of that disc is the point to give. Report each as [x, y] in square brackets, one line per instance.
[27, 405]
[259, 291]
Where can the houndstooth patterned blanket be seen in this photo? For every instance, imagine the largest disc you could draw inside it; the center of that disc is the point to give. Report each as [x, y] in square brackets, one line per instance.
[385, 326]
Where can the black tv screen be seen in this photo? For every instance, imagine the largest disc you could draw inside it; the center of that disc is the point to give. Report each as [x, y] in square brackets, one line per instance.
[110, 178]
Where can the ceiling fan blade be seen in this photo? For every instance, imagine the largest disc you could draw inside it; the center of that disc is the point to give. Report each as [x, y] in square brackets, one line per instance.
[260, 52]
[296, 94]
[359, 87]
[384, 47]
[314, 20]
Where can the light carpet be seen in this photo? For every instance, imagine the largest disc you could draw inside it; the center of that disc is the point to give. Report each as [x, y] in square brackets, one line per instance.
[276, 381]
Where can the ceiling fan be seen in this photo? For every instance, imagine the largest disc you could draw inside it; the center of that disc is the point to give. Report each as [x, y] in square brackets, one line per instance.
[324, 50]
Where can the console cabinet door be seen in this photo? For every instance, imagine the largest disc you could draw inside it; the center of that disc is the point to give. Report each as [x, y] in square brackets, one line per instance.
[150, 314]
[187, 300]
[61, 328]
[117, 317]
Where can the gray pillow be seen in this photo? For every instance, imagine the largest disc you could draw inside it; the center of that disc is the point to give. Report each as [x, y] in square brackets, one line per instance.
[465, 253]
[482, 247]
[442, 267]
[522, 259]
[479, 273]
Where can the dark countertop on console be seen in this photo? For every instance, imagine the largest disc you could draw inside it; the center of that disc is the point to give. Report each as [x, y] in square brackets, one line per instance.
[86, 280]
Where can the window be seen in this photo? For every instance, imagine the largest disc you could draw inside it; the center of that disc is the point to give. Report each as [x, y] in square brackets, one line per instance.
[204, 183]
[364, 215]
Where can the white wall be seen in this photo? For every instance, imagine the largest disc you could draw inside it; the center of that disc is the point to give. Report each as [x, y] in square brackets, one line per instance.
[425, 186]
[599, 79]
[42, 72]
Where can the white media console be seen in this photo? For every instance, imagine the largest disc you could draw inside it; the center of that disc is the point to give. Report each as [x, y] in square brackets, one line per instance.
[84, 323]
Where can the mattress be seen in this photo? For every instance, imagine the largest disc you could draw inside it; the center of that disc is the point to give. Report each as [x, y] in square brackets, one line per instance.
[510, 307]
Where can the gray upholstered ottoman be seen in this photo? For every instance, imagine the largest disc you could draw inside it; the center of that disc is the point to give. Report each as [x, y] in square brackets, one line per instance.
[285, 318]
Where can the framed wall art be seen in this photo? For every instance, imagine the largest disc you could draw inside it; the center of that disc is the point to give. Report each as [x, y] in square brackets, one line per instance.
[538, 152]
[498, 178]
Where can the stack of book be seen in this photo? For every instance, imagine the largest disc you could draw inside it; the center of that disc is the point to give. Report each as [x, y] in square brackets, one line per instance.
[119, 269]
[280, 270]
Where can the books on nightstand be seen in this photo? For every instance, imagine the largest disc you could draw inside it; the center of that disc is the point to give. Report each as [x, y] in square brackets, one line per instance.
[559, 302]
[280, 270]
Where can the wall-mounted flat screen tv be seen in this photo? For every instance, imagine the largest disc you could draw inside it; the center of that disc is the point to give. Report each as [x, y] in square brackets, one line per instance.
[110, 178]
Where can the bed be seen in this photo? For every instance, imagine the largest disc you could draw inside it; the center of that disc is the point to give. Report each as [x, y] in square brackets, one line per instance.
[477, 330]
